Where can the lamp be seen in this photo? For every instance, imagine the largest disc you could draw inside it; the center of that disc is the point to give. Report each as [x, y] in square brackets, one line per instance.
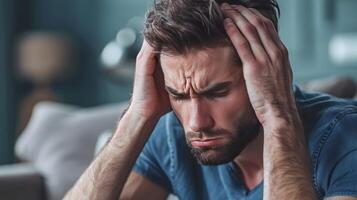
[119, 55]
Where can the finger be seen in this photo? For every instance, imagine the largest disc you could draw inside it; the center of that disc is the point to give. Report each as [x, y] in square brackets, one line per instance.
[278, 43]
[160, 81]
[145, 60]
[248, 30]
[270, 45]
[275, 35]
[273, 31]
[271, 27]
[145, 47]
[239, 42]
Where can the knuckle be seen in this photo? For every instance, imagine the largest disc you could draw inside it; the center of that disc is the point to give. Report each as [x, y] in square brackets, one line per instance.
[258, 22]
[231, 30]
[243, 44]
[264, 61]
[278, 55]
[250, 29]
[269, 23]
[230, 27]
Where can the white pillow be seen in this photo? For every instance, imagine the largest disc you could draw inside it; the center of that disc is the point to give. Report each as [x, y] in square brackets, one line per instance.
[60, 141]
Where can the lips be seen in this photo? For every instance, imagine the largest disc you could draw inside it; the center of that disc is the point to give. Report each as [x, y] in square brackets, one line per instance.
[199, 143]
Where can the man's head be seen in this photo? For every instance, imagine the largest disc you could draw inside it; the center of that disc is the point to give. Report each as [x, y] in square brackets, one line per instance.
[203, 75]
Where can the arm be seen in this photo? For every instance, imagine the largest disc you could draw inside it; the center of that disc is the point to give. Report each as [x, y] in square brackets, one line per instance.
[107, 174]
[268, 78]
[139, 187]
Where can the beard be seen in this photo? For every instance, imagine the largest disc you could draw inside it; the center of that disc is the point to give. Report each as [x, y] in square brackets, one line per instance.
[244, 133]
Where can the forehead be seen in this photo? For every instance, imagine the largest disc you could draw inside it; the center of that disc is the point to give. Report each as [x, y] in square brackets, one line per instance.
[200, 66]
[224, 55]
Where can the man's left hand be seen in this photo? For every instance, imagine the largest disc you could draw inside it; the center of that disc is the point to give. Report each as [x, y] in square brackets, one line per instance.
[268, 78]
[266, 66]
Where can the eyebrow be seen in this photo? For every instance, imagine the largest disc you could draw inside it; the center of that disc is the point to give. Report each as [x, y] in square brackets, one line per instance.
[209, 89]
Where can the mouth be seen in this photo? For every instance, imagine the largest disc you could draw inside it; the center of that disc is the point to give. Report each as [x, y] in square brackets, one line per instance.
[208, 142]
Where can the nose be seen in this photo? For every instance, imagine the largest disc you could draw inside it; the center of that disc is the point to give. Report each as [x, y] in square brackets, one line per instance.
[200, 118]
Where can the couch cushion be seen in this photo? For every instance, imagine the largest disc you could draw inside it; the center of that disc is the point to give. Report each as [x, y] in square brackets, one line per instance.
[21, 181]
[60, 141]
[339, 86]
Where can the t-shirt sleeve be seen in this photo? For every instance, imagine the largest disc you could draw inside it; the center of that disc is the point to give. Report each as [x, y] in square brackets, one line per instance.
[344, 176]
[339, 158]
[154, 161]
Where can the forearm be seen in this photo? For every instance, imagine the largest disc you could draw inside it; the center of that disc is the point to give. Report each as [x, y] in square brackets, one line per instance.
[287, 169]
[106, 176]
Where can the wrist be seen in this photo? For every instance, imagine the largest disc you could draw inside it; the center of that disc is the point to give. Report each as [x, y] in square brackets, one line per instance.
[135, 125]
[282, 122]
[278, 115]
[138, 113]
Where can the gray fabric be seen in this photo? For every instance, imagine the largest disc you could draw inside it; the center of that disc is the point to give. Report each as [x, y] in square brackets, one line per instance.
[21, 181]
[60, 141]
[102, 141]
[339, 86]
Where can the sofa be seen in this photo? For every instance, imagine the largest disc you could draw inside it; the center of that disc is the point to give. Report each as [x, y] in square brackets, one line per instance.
[55, 148]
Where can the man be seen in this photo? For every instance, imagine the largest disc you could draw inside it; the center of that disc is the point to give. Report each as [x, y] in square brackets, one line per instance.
[238, 129]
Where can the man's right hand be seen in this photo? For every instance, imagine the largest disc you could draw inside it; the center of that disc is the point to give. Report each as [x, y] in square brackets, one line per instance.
[150, 99]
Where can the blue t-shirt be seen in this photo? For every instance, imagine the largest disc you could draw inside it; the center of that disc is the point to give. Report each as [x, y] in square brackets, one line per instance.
[330, 125]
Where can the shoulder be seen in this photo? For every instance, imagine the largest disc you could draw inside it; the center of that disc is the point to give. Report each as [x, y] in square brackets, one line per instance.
[331, 128]
[167, 131]
[335, 156]
[321, 113]
[168, 142]
[158, 160]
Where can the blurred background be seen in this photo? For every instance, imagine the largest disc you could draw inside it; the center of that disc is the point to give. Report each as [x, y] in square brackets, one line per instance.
[80, 56]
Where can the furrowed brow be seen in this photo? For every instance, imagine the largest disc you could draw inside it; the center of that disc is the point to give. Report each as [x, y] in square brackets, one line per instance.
[174, 92]
[209, 89]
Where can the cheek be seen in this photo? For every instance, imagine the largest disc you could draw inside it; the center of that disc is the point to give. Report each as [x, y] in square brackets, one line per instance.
[231, 110]
[178, 109]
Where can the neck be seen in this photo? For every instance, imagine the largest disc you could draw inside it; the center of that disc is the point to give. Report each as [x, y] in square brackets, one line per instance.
[250, 162]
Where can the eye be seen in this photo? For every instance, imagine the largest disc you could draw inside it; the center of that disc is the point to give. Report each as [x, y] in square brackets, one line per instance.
[178, 97]
[217, 94]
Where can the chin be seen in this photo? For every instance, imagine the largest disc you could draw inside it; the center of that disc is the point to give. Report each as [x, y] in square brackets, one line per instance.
[226, 152]
[211, 157]
[216, 156]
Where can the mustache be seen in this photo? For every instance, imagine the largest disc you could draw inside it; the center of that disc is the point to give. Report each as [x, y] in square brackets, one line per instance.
[207, 133]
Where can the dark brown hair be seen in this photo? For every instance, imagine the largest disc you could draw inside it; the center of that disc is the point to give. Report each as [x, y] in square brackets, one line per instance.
[179, 26]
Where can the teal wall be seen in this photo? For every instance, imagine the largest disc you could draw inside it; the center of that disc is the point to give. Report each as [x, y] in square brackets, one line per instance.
[7, 100]
[92, 24]
[307, 27]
